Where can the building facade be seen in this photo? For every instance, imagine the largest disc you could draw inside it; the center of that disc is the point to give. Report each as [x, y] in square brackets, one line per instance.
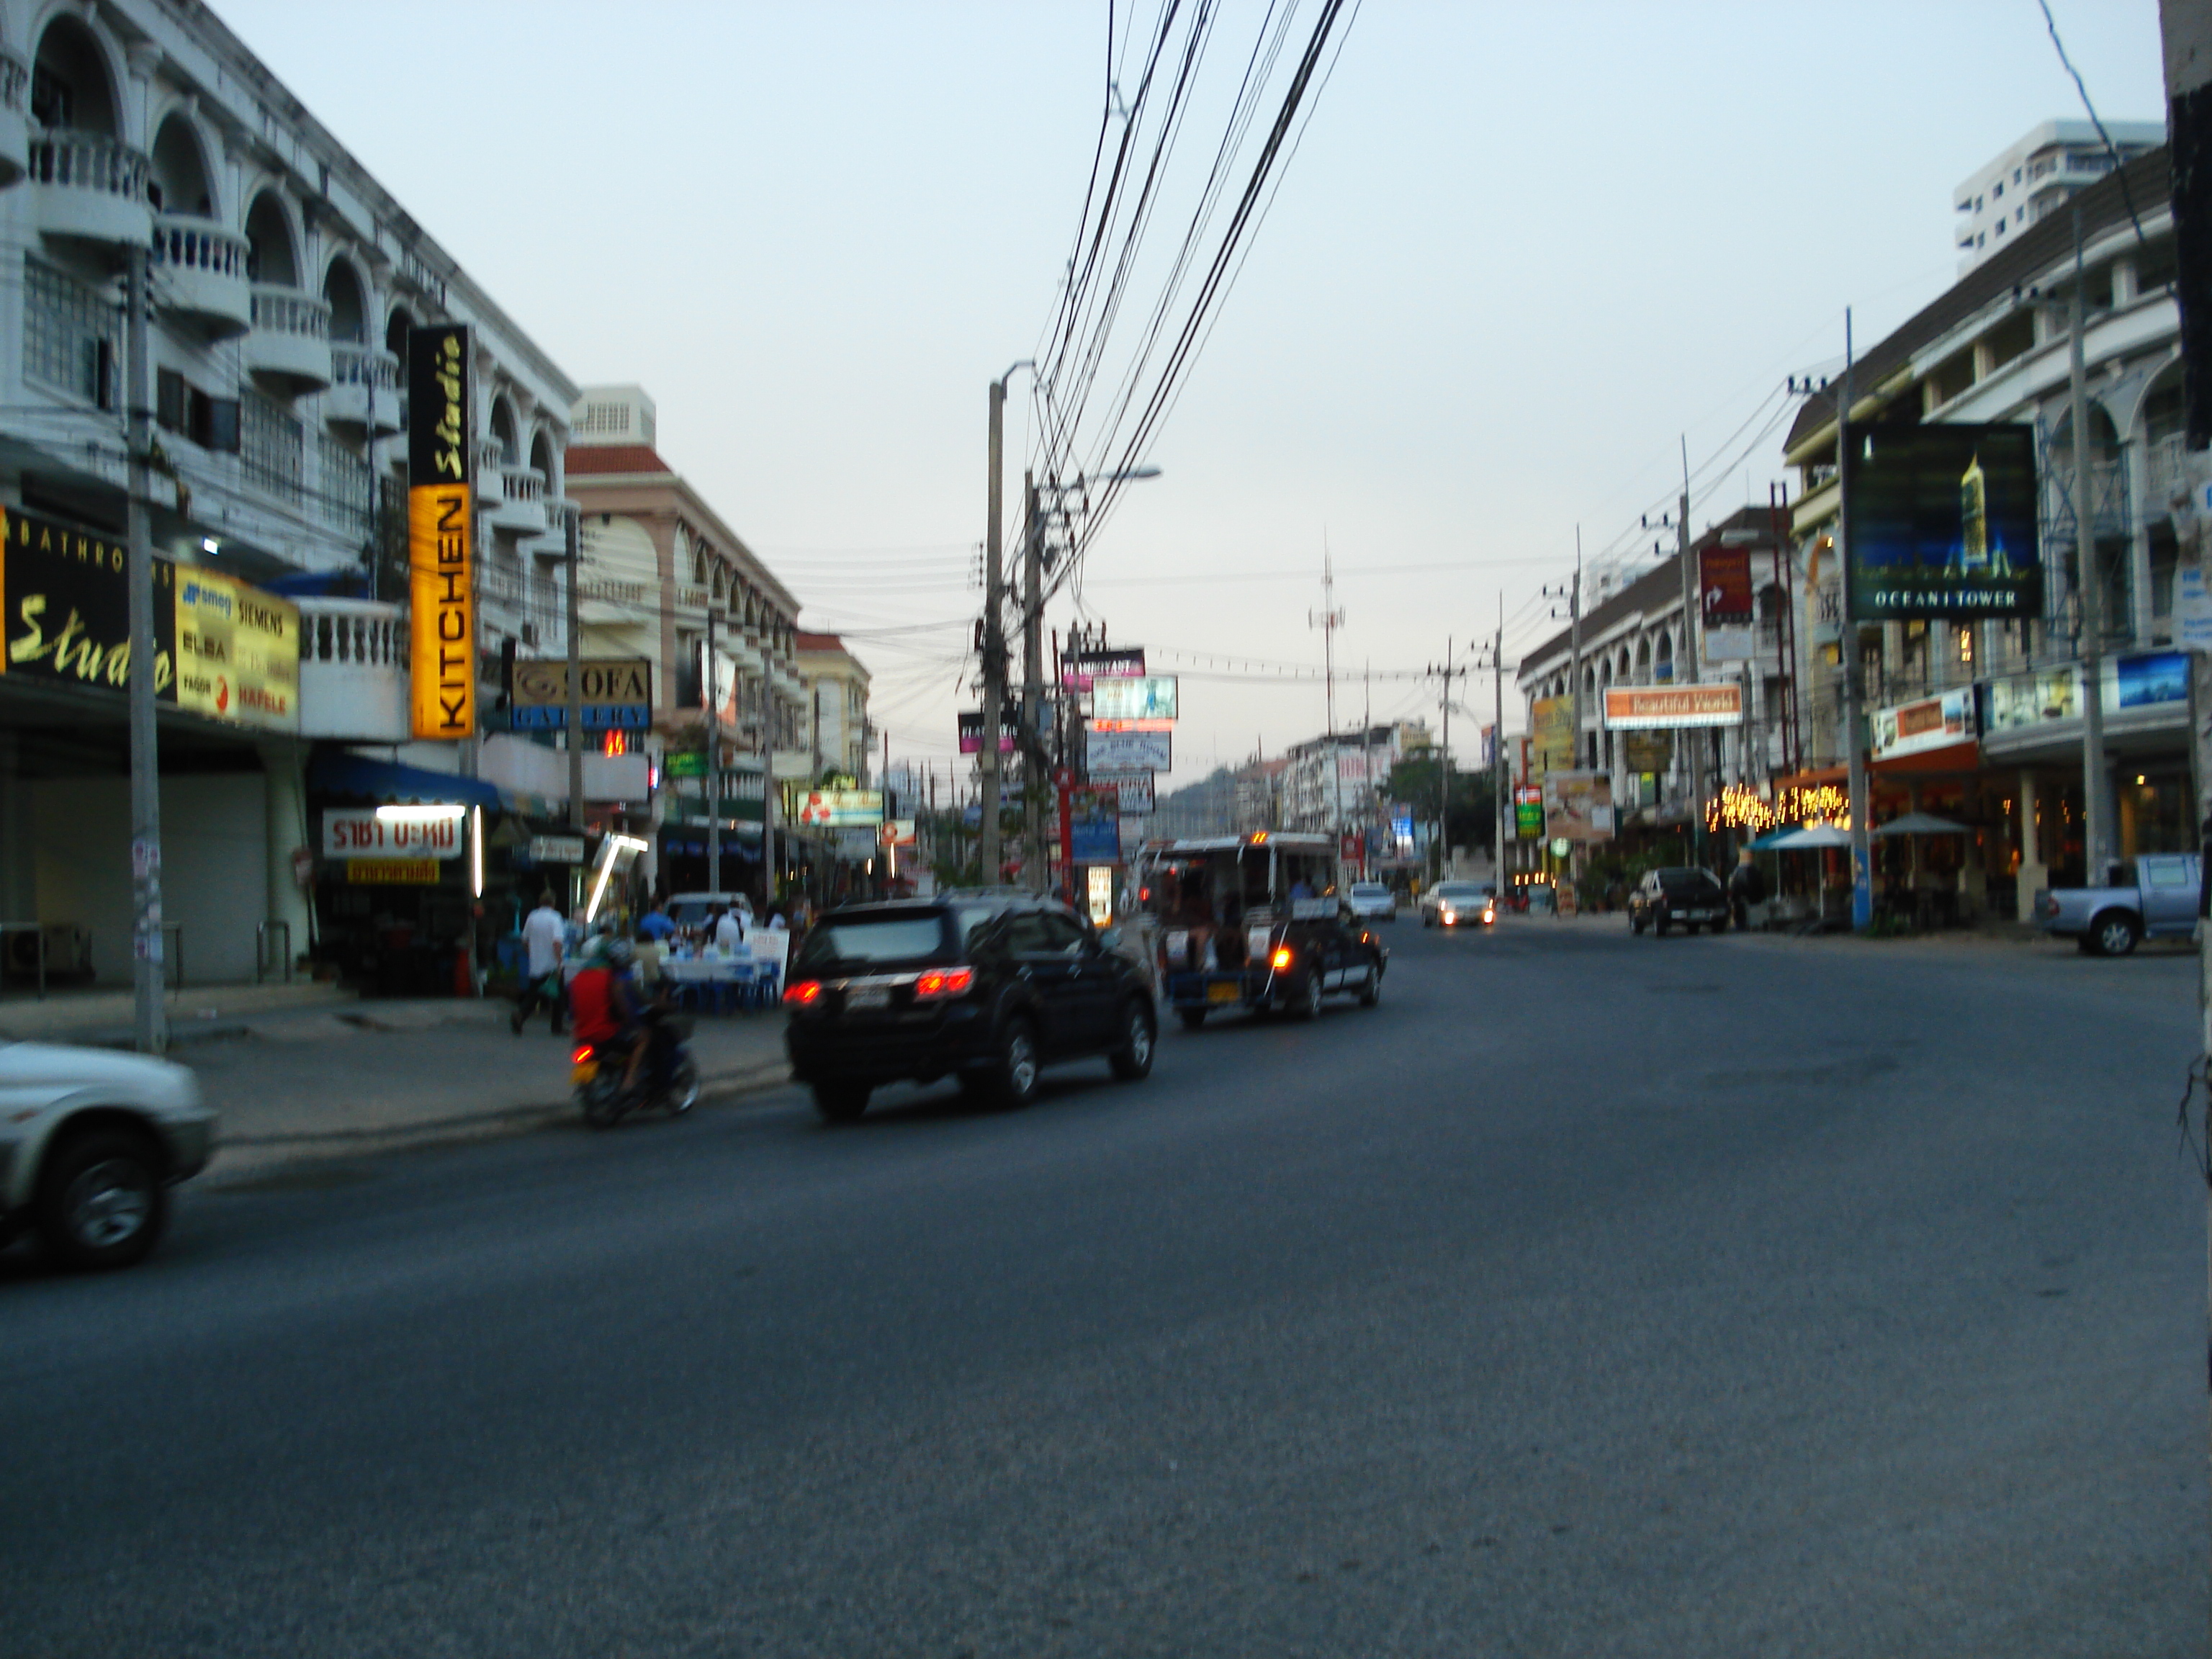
[835, 709]
[2036, 177]
[282, 280]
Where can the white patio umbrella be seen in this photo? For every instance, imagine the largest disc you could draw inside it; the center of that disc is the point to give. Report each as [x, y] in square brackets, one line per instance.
[1924, 823]
[1807, 840]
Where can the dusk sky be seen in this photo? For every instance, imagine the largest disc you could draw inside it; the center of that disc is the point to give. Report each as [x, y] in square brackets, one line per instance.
[1519, 254]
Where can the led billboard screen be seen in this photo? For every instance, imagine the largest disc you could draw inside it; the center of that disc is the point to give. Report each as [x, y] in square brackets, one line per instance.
[1943, 524]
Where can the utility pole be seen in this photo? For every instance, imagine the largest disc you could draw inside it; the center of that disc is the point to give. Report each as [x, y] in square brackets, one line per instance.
[1444, 772]
[768, 868]
[714, 757]
[1686, 659]
[1575, 646]
[994, 635]
[572, 536]
[1034, 768]
[1499, 770]
[1328, 621]
[2095, 810]
[151, 1024]
[1854, 666]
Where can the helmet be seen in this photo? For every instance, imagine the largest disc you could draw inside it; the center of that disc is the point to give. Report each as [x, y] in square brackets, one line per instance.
[621, 953]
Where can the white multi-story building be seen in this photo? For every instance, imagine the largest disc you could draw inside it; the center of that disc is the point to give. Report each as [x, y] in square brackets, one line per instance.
[836, 707]
[283, 282]
[2037, 176]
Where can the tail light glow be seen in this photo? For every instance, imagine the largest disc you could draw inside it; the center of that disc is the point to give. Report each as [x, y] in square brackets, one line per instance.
[939, 983]
[1281, 959]
[582, 1054]
[804, 992]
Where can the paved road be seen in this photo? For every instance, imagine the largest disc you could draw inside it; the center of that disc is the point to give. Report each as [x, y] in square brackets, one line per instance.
[1590, 1296]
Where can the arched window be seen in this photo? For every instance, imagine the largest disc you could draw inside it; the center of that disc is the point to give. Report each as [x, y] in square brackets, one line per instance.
[71, 87]
[349, 305]
[396, 332]
[268, 235]
[502, 433]
[178, 182]
[541, 457]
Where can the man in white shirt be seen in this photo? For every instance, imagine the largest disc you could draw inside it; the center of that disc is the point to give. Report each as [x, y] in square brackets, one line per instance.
[729, 933]
[544, 935]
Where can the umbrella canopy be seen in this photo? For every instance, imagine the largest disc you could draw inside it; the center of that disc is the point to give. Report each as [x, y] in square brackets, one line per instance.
[1922, 823]
[1772, 839]
[1819, 835]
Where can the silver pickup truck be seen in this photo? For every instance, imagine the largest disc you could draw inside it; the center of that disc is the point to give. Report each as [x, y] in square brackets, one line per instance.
[2149, 897]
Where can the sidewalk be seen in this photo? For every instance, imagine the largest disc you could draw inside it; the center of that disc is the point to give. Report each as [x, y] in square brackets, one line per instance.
[345, 1077]
[103, 1018]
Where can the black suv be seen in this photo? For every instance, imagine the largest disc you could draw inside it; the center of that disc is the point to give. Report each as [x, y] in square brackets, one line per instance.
[988, 987]
[1680, 893]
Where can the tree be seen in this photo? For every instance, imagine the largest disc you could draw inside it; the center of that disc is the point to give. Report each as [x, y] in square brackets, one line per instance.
[1473, 813]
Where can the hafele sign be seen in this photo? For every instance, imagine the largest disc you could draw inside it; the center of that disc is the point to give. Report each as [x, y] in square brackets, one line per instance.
[358, 832]
[440, 533]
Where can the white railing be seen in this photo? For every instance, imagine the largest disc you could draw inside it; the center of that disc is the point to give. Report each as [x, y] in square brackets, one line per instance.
[88, 160]
[613, 593]
[354, 364]
[186, 243]
[490, 457]
[14, 79]
[287, 311]
[356, 632]
[524, 484]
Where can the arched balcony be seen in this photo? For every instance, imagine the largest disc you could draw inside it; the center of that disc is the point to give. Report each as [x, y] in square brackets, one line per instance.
[199, 269]
[91, 186]
[289, 346]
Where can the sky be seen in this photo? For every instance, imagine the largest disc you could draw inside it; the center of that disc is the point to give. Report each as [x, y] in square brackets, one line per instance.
[1521, 256]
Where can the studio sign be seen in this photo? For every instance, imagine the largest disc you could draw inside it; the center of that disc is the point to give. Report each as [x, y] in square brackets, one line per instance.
[67, 600]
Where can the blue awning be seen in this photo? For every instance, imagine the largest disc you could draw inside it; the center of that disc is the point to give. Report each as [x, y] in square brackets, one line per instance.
[335, 772]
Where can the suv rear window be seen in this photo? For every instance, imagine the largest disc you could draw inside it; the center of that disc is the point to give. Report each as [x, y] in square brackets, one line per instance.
[874, 939]
[1688, 881]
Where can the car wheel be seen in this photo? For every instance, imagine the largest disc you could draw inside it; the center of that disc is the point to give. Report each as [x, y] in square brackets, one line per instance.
[1659, 926]
[841, 1103]
[1134, 1059]
[2115, 935]
[683, 1088]
[1019, 1067]
[1371, 992]
[101, 1200]
[1192, 1019]
[1308, 1005]
[1637, 925]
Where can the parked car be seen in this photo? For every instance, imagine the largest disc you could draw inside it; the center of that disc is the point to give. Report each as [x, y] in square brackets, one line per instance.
[90, 1143]
[1459, 904]
[1682, 895]
[989, 988]
[2155, 897]
[1371, 901]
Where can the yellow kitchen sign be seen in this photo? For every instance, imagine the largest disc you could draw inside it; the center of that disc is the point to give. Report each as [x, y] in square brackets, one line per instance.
[440, 529]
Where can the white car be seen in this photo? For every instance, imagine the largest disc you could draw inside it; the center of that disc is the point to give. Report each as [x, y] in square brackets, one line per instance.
[90, 1142]
[1372, 901]
[1459, 904]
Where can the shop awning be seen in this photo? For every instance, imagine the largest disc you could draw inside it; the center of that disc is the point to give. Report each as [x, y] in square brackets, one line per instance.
[335, 772]
[1819, 836]
[1922, 823]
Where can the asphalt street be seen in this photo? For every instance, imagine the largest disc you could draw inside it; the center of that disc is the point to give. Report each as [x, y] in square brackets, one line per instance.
[1591, 1296]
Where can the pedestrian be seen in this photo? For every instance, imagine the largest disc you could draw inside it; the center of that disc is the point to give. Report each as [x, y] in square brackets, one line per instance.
[543, 939]
[729, 933]
[655, 925]
[1746, 887]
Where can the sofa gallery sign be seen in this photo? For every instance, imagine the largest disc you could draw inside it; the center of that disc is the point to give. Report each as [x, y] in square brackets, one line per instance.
[222, 649]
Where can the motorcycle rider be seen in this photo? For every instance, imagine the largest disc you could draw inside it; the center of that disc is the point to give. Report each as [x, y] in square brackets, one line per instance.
[603, 1005]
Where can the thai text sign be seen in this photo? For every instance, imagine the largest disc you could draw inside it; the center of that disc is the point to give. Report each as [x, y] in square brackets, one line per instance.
[1128, 751]
[835, 809]
[1578, 806]
[1094, 824]
[1914, 728]
[1552, 724]
[1148, 697]
[440, 529]
[1528, 813]
[358, 832]
[1943, 523]
[392, 872]
[1136, 789]
[1652, 707]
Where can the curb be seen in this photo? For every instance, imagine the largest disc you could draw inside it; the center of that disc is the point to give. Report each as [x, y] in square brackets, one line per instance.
[276, 1151]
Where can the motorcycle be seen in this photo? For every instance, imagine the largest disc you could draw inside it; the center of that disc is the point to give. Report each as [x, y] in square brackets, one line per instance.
[597, 1077]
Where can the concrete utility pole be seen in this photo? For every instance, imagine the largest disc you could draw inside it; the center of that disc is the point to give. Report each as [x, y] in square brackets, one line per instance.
[1328, 621]
[768, 867]
[1034, 766]
[2185, 27]
[1686, 669]
[1444, 775]
[572, 538]
[1499, 770]
[1854, 668]
[2095, 810]
[150, 1024]
[994, 635]
[714, 755]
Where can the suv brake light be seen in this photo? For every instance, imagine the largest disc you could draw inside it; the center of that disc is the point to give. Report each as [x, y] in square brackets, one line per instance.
[941, 983]
[1281, 959]
[804, 992]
